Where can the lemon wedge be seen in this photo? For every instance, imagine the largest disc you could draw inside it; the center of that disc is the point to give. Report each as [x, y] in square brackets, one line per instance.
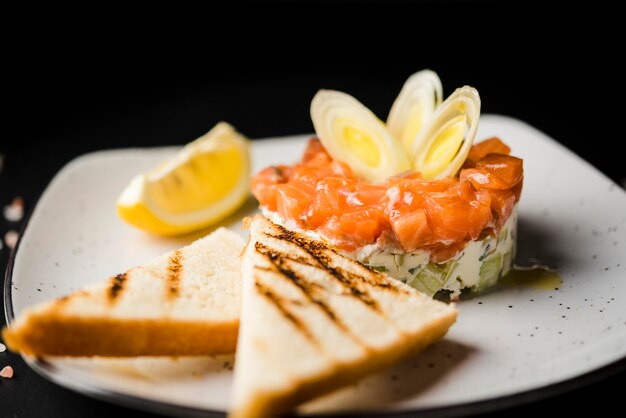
[418, 99]
[353, 134]
[202, 184]
[445, 141]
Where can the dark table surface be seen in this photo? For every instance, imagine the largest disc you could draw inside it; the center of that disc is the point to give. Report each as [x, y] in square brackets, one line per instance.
[65, 101]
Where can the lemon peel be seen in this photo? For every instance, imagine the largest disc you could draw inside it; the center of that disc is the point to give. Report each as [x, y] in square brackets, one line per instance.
[201, 185]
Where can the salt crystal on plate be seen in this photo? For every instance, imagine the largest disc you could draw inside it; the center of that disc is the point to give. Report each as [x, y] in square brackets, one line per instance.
[15, 211]
[7, 372]
[3, 348]
[10, 238]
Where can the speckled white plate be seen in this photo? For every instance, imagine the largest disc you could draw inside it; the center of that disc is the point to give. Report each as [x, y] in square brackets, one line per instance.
[507, 346]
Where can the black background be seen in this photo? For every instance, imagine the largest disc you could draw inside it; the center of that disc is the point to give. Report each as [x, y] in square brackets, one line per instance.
[122, 78]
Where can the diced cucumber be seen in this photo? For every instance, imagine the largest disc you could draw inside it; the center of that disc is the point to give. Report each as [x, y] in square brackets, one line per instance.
[431, 279]
[479, 266]
[489, 273]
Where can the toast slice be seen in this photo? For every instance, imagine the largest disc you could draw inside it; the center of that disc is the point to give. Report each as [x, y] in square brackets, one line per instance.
[313, 321]
[186, 302]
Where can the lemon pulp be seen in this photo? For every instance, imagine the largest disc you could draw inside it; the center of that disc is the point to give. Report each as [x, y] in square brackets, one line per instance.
[203, 180]
[202, 184]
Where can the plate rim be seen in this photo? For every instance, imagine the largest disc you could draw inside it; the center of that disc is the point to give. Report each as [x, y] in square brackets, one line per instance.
[85, 387]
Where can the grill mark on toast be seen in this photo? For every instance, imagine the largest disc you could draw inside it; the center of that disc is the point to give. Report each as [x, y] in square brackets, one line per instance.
[309, 289]
[174, 271]
[280, 304]
[117, 286]
[317, 249]
[321, 261]
[273, 270]
[276, 255]
[357, 278]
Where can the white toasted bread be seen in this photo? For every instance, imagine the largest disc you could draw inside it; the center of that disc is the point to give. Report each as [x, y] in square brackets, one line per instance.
[186, 302]
[313, 321]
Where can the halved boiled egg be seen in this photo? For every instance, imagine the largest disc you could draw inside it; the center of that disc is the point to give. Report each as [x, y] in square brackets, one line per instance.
[418, 99]
[442, 146]
[353, 134]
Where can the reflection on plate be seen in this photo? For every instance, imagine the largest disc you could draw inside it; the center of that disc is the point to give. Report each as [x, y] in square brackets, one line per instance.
[505, 343]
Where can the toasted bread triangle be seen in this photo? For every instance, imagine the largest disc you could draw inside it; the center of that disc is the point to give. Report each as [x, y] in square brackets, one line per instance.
[313, 321]
[186, 302]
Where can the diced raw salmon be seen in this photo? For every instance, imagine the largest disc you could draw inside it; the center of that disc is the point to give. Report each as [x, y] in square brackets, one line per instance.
[406, 211]
[495, 171]
[488, 146]
[412, 230]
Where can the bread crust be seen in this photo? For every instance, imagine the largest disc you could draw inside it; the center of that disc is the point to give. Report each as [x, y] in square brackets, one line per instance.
[44, 334]
[328, 321]
[276, 403]
[183, 303]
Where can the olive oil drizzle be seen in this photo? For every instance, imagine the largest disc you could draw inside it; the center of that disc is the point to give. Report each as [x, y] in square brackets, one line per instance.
[535, 277]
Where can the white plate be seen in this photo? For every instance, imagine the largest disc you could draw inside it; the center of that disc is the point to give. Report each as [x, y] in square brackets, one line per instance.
[506, 346]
